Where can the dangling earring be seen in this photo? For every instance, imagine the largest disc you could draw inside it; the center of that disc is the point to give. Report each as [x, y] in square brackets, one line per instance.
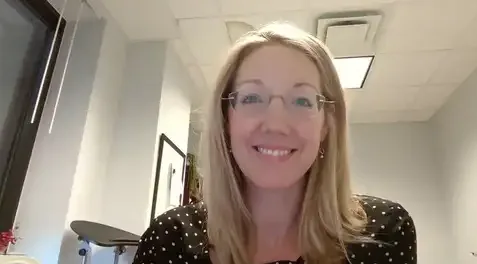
[322, 153]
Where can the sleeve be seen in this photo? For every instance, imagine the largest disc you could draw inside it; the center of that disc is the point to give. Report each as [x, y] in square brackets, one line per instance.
[400, 245]
[159, 244]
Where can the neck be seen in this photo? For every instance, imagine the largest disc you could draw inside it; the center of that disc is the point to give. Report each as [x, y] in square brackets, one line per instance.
[274, 211]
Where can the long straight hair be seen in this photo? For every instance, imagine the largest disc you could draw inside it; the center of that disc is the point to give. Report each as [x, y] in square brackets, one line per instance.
[330, 215]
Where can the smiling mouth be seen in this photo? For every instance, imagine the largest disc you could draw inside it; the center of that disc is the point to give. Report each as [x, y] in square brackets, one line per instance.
[274, 152]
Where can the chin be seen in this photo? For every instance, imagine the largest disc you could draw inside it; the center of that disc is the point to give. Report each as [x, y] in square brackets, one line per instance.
[276, 183]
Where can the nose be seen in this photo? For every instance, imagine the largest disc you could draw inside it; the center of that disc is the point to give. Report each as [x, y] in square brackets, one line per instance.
[276, 119]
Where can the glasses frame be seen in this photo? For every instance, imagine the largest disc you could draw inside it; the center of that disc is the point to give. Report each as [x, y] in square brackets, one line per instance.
[320, 99]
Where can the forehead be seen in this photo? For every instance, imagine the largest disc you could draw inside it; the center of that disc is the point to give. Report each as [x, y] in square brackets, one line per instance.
[278, 67]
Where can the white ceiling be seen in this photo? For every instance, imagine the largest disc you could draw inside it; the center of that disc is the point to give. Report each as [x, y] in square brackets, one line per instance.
[424, 48]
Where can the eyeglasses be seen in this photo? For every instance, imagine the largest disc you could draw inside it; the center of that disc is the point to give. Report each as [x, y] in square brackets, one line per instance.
[300, 103]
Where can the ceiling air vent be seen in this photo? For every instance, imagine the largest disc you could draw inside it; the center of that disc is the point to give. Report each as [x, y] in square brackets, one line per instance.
[349, 34]
[350, 37]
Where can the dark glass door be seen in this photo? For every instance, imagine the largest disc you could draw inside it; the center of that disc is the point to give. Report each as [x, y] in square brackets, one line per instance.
[27, 34]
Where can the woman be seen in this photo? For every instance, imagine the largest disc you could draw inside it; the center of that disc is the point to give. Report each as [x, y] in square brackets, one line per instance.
[277, 184]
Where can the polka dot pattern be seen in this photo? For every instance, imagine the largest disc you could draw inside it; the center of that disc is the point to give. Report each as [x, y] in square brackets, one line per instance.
[179, 237]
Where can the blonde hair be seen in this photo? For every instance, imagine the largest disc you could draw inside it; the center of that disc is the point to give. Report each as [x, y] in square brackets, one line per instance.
[330, 216]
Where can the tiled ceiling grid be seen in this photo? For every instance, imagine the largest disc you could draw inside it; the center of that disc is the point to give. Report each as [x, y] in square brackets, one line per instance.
[424, 48]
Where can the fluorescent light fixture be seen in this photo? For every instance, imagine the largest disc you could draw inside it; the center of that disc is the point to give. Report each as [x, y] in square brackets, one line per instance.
[353, 71]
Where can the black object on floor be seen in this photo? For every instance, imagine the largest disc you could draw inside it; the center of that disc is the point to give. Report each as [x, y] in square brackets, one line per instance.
[103, 236]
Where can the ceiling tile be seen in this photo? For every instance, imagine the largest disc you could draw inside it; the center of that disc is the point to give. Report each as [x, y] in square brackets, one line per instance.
[206, 38]
[425, 25]
[432, 96]
[427, 14]
[385, 98]
[182, 49]
[455, 67]
[403, 69]
[468, 38]
[301, 19]
[152, 19]
[416, 39]
[194, 8]
[248, 7]
[339, 5]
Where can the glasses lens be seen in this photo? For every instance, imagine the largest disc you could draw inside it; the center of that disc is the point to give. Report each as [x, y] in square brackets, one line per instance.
[303, 102]
[251, 101]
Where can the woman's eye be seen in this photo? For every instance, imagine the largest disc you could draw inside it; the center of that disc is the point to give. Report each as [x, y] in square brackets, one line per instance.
[303, 102]
[251, 99]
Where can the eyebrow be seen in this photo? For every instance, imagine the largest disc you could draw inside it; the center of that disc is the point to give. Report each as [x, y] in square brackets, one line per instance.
[259, 82]
[254, 81]
[301, 84]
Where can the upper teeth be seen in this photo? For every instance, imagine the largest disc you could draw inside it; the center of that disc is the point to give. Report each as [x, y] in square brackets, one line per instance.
[274, 152]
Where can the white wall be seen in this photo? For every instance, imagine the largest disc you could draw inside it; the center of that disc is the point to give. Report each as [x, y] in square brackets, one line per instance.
[174, 116]
[48, 185]
[175, 104]
[194, 141]
[131, 162]
[146, 111]
[91, 169]
[455, 127]
[397, 162]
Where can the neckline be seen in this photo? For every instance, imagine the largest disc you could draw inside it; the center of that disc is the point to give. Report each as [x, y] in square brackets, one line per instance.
[209, 247]
[298, 261]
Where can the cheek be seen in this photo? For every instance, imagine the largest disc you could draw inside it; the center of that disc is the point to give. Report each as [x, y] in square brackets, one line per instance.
[238, 129]
[311, 132]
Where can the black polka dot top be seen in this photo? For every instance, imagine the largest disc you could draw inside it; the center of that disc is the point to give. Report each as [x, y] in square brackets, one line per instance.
[179, 237]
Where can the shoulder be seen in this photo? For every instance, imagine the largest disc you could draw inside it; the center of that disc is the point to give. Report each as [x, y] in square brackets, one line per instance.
[182, 217]
[388, 221]
[391, 227]
[383, 211]
[179, 233]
